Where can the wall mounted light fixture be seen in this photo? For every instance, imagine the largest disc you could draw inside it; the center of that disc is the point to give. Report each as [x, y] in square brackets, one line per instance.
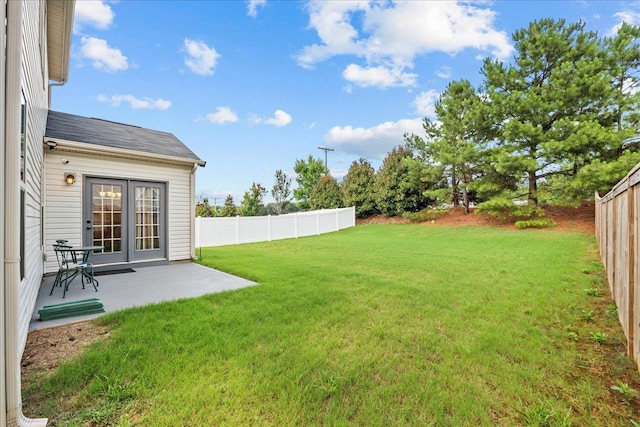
[69, 178]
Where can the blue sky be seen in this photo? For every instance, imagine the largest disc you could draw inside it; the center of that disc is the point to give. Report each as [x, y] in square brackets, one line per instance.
[251, 86]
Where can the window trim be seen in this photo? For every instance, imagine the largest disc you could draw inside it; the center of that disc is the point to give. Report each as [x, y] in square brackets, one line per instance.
[23, 220]
[23, 138]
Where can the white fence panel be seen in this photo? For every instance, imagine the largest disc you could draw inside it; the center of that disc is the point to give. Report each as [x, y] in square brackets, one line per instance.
[253, 229]
[229, 231]
[346, 219]
[307, 224]
[223, 231]
[327, 222]
[283, 227]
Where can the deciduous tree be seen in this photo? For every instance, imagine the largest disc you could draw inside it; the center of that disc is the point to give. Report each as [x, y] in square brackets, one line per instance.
[358, 188]
[204, 209]
[281, 191]
[308, 173]
[325, 194]
[252, 201]
[395, 191]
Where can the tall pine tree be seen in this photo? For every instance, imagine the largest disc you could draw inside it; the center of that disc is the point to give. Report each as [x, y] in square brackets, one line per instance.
[547, 101]
[455, 141]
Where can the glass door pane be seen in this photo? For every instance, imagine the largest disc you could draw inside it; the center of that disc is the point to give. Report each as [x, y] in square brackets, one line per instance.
[105, 219]
[147, 202]
[148, 221]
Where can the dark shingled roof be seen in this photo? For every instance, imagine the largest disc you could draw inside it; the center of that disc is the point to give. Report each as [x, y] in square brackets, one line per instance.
[115, 135]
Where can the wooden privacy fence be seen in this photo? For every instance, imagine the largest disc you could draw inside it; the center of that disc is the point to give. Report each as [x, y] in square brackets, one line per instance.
[248, 229]
[617, 232]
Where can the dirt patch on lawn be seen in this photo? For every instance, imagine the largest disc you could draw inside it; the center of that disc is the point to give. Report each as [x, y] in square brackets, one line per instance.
[47, 348]
[581, 218]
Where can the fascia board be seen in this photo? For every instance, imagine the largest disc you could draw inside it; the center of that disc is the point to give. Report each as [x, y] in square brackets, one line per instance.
[83, 148]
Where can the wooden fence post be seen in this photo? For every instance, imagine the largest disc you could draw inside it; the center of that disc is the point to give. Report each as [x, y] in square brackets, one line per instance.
[614, 240]
[631, 267]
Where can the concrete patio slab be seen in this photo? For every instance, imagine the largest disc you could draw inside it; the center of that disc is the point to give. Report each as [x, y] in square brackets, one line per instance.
[146, 285]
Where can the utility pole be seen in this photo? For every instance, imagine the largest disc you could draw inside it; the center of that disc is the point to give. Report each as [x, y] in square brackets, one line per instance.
[325, 149]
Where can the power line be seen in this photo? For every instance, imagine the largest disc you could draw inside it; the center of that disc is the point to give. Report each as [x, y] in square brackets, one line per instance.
[325, 149]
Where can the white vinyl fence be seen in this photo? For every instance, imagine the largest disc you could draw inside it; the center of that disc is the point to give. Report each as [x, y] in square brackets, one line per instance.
[248, 229]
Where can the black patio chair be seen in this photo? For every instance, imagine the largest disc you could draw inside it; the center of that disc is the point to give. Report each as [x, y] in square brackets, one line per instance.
[69, 268]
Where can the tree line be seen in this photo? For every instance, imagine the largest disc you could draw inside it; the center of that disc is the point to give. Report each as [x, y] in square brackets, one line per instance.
[389, 191]
[554, 125]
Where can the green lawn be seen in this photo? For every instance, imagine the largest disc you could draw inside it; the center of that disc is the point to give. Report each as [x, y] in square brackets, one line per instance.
[378, 325]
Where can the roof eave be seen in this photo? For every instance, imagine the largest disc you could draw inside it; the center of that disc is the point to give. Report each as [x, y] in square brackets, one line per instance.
[59, 32]
[82, 147]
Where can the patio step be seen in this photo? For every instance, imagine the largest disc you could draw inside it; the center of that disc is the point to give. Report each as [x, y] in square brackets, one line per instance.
[70, 309]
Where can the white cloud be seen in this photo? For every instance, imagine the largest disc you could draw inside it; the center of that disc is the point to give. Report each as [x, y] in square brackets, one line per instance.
[374, 142]
[331, 20]
[279, 119]
[425, 103]
[630, 86]
[444, 72]
[370, 30]
[380, 76]
[338, 174]
[222, 115]
[628, 16]
[201, 58]
[97, 14]
[135, 103]
[253, 5]
[103, 56]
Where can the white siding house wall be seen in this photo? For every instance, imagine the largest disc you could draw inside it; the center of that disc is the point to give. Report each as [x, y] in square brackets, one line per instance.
[34, 88]
[63, 219]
